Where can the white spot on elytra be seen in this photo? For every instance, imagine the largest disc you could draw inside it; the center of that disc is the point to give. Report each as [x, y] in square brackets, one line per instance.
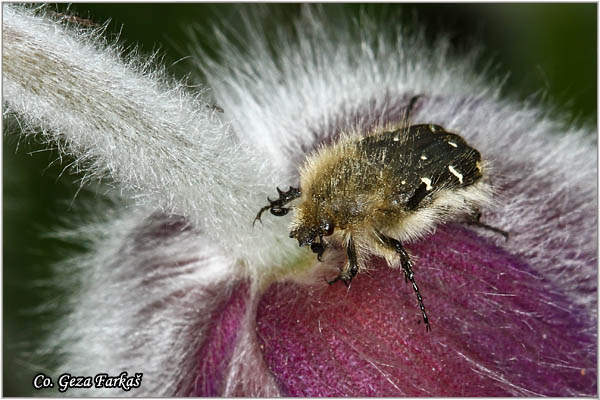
[456, 173]
[423, 157]
[452, 144]
[396, 138]
[427, 182]
[403, 182]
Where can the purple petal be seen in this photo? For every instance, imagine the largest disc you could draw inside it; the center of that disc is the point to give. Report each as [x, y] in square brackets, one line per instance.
[214, 357]
[498, 329]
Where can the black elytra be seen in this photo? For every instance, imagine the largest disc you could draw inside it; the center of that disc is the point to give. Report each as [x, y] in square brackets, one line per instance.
[427, 159]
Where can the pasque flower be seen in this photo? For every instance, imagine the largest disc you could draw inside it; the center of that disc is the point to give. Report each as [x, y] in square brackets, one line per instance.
[178, 285]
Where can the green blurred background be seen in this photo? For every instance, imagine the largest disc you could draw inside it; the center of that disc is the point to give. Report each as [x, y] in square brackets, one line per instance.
[545, 47]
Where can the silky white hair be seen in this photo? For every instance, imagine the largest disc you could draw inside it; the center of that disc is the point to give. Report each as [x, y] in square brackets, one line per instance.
[199, 176]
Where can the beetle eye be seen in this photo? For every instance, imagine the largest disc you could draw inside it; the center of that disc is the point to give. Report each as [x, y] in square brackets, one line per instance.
[328, 228]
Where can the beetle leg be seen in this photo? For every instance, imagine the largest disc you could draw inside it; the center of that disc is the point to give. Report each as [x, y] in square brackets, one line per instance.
[318, 248]
[408, 272]
[348, 273]
[276, 206]
[475, 220]
[410, 107]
